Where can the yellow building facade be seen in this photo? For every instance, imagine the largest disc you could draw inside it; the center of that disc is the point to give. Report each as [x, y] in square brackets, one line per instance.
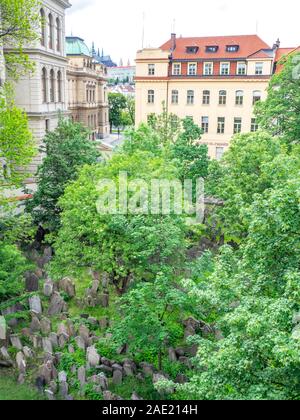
[215, 81]
[87, 89]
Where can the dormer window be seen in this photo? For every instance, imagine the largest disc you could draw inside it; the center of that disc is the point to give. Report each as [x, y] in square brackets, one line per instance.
[192, 50]
[232, 48]
[212, 48]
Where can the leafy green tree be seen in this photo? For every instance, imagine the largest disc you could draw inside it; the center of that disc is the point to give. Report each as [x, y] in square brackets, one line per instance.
[16, 142]
[20, 22]
[280, 113]
[245, 170]
[145, 316]
[166, 125]
[12, 268]
[66, 149]
[117, 104]
[191, 156]
[129, 246]
[255, 293]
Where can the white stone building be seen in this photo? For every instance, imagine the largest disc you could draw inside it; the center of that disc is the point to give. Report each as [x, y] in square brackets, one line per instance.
[43, 94]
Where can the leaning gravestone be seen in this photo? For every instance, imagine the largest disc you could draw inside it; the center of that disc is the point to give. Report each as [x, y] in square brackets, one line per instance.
[31, 282]
[35, 304]
[48, 288]
[16, 342]
[57, 305]
[93, 357]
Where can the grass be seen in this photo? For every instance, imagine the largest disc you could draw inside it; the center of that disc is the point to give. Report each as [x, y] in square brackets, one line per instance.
[144, 389]
[10, 391]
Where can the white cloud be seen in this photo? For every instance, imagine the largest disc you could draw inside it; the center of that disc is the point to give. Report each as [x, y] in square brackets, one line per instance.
[116, 25]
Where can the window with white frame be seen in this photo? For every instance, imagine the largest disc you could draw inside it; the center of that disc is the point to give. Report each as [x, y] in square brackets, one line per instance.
[151, 96]
[237, 126]
[190, 97]
[175, 97]
[225, 69]
[254, 125]
[176, 69]
[192, 69]
[151, 69]
[259, 68]
[208, 69]
[256, 96]
[205, 124]
[206, 97]
[221, 125]
[241, 69]
[222, 97]
[239, 97]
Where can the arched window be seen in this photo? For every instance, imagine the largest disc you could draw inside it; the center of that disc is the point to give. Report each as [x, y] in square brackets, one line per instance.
[239, 97]
[222, 97]
[50, 31]
[52, 86]
[59, 87]
[58, 35]
[190, 97]
[256, 96]
[206, 97]
[43, 28]
[44, 85]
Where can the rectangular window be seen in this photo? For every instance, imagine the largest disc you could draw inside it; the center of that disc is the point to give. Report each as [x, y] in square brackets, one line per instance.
[150, 96]
[259, 67]
[190, 97]
[211, 48]
[206, 97]
[237, 127]
[254, 125]
[176, 69]
[225, 69]
[232, 48]
[175, 97]
[219, 152]
[151, 69]
[192, 69]
[208, 69]
[241, 69]
[221, 125]
[205, 124]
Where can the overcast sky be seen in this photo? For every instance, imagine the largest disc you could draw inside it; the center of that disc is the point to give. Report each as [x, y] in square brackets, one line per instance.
[116, 25]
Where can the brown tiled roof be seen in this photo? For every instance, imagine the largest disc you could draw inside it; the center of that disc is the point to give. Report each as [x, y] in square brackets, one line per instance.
[248, 45]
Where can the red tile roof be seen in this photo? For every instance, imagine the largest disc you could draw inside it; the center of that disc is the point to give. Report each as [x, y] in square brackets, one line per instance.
[248, 45]
[283, 52]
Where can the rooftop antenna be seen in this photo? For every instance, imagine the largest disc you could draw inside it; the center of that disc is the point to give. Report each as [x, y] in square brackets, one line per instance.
[257, 27]
[143, 31]
[173, 28]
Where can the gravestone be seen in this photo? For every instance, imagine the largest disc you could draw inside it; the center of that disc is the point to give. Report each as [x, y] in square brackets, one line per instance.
[93, 357]
[31, 282]
[35, 304]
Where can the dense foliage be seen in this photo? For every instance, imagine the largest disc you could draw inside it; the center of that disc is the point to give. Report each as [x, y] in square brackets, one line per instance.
[279, 114]
[16, 142]
[66, 149]
[20, 20]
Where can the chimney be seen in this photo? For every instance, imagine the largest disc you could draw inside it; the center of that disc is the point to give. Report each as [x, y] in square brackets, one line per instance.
[173, 42]
[277, 44]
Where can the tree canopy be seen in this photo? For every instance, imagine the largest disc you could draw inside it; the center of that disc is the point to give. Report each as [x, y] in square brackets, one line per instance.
[66, 149]
[280, 113]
